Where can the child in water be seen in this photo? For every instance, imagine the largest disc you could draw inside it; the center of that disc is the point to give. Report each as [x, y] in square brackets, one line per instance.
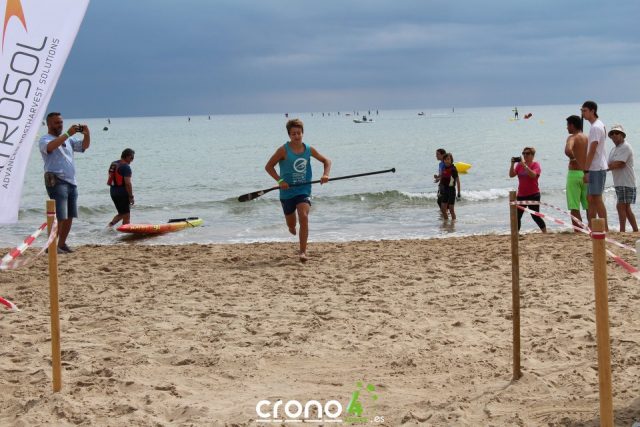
[449, 180]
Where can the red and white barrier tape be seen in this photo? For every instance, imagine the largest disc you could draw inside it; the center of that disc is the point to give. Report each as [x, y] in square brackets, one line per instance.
[576, 220]
[11, 261]
[532, 202]
[595, 235]
[550, 218]
[622, 263]
[10, 306]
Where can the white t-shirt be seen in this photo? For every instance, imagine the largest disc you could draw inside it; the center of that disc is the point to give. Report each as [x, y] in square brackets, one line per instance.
[623, 177]
[599, 134]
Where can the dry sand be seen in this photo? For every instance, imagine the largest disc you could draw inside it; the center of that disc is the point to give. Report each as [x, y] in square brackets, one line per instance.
[198, 334]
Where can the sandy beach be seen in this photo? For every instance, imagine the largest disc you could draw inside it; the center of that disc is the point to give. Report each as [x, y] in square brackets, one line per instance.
[199, 334]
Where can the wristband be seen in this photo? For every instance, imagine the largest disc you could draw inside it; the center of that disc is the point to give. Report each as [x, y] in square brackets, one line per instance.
[67, 135]
[281, 180]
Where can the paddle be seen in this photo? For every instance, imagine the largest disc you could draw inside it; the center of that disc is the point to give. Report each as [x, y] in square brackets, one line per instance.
[191, 218]
[256, 194]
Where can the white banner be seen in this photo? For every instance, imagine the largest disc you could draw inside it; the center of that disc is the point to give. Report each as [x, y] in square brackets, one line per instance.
[36, 39]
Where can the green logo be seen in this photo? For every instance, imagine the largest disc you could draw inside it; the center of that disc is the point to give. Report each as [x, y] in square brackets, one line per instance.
[364, 396]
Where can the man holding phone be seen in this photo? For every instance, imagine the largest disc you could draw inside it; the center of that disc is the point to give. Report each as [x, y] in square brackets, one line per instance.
[57, 151]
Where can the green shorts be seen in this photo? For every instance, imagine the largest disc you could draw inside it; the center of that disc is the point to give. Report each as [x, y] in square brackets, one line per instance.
[576, 190]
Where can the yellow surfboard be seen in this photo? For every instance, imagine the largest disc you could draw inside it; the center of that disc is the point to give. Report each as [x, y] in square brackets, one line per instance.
[462, 167]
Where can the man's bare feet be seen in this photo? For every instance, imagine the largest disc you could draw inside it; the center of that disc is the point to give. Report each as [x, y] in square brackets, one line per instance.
[303, 256]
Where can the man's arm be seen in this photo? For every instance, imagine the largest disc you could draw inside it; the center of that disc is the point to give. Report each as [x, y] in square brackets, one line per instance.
[270, 167]
[129, 187]
[325, 161]
[57, 142]
[86, 141]
[617, 164]
[568, 148]
[593, 146]
[619, 158]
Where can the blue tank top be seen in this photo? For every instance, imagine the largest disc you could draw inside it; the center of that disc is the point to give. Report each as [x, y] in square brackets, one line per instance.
[294, 169]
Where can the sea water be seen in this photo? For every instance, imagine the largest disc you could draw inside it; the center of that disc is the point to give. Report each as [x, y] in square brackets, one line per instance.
[199, 165]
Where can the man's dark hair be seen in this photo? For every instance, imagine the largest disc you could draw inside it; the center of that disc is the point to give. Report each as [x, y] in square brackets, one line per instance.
[127, 152]
[52, 114]
[575, 121]
[591, 105]
[441, 151]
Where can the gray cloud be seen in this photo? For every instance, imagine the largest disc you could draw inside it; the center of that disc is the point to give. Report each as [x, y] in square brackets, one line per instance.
[200, 57]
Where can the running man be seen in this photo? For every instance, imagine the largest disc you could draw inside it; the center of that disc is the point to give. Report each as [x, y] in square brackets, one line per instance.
[294, 161]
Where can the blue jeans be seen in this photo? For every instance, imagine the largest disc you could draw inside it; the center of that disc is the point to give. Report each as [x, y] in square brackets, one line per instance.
[597, 180]
[66, 197]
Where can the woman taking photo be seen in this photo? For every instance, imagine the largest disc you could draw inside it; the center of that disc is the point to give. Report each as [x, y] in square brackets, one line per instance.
[528, 173]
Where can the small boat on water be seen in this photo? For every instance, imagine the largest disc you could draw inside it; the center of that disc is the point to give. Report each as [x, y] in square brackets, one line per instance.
[364, 120]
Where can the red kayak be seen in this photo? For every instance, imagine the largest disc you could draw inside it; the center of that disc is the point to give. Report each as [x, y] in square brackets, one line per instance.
[172, 225]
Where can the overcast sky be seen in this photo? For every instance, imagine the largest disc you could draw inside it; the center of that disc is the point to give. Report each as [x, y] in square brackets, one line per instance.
[189, 57]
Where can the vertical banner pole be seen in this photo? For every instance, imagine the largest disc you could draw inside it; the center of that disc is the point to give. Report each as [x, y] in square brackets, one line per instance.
[515, 286]
[56, 364]
[602, 322]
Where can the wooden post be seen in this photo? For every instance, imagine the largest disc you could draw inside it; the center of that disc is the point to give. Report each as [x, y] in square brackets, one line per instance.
[515, 286]
[56, 364]
[602, 322]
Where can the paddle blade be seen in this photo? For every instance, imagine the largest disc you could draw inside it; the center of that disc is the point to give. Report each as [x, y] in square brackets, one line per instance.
[191, 218]
[250, 196]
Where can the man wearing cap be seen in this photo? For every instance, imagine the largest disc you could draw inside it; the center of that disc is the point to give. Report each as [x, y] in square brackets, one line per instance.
[624, 179]
[595, 168]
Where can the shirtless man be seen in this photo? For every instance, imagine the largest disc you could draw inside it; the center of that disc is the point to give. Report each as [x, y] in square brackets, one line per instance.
[576, 150]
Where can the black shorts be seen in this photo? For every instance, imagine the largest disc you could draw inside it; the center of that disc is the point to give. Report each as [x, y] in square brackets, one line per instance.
[448, 195]
[289, 205]
[122, 203]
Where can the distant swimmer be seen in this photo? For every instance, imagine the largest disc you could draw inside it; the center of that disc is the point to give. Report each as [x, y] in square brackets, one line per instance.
[528, 115]
[189, 119]
[109, 121]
